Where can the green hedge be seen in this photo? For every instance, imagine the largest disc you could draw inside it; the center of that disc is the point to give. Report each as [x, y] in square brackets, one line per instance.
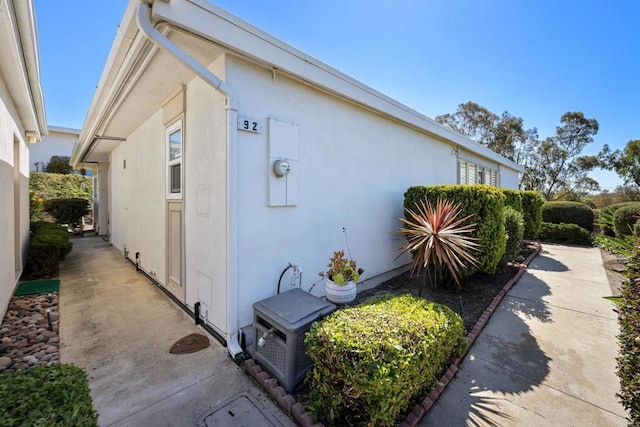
[565, 233]
[625, 218]
[485, 203]
[605, 217]
[629, 358]
[514, 226]
[68, 211]
[569, 213]
[50, 186]
[532, 203]
[370, 361]
[48, 246]
[513, 198]
[57, 395]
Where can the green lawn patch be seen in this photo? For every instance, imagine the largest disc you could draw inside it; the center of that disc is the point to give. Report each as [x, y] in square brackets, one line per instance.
[56, 395]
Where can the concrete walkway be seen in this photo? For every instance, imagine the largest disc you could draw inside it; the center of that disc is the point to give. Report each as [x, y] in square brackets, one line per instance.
[547, 356]
[119, 327]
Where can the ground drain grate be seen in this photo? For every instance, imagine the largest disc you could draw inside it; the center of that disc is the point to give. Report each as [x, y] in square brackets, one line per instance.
[190, 344]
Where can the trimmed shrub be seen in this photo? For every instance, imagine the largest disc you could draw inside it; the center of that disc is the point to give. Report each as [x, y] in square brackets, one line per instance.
[485, 203]
[514, 226]
[49, 186]
[56, 395]
[370, 361]
[568, 213]
[629, 358]
[48, 246]
[624, 219]
[68, 211]
[532, 203]
[605, 217]
[513, 198]
[565, 233]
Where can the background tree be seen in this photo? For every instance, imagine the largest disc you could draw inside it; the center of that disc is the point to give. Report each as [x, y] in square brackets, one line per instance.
[625, 163]
[512, 140]
[58, 164]
[503, 134]
[619, 195]
[473, 121]
[557, 166]
[554, 166]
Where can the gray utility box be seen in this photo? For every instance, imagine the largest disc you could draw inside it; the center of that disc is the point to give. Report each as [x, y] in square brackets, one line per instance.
[288, 316]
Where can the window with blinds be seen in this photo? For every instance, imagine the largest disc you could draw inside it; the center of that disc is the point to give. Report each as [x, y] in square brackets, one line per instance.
[471, 173]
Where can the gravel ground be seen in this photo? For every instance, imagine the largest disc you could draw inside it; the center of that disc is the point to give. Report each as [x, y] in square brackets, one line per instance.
[26, 339]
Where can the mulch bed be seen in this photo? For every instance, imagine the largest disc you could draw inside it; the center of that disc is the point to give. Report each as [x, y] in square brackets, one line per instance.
[476, 300]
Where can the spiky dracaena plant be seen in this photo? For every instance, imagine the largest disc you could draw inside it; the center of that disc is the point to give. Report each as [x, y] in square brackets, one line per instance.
[437, 238]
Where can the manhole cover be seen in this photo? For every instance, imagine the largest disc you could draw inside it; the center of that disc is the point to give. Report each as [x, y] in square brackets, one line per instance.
[190, 344]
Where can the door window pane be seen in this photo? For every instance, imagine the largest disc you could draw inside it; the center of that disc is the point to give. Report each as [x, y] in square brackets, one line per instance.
[174, 181]
[175, 145]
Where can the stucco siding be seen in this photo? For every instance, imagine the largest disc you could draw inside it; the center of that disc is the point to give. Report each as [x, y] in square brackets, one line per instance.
[7, 268]
[138, 207]
[13, 240]
[205, 170]
[354, 168]
[509, 178]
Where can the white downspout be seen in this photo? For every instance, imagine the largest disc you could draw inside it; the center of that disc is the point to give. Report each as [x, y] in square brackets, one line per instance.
[143, 19]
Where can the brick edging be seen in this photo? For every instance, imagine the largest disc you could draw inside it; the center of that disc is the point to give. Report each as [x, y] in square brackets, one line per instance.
[300, 415]
[286, 401]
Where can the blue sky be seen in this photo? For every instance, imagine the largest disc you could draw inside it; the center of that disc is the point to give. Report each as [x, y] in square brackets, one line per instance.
[535, 59]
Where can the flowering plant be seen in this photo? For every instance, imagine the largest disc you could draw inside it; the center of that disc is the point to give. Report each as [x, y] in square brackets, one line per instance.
[342, 270]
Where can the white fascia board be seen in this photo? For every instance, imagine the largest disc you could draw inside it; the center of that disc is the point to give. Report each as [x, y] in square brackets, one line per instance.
[62, 129]
[26, 70]
[221, 27]
[125, 36]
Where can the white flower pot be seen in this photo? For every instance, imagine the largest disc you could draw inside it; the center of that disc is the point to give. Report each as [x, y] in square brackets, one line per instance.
[340, 294]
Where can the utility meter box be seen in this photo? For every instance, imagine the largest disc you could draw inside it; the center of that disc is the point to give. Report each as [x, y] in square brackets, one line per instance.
[280, 323]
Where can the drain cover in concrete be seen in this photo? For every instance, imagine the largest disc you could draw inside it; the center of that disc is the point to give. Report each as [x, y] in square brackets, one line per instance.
[240, 410]
[190, 344]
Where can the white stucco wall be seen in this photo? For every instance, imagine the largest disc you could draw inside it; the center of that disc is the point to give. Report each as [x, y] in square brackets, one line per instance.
[11, 131]
[354, 168]
[509, 178]
[137, 205]
[59, 142]
[205, 166]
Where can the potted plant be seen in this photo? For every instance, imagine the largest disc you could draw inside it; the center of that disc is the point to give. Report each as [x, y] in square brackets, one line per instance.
[341, 278]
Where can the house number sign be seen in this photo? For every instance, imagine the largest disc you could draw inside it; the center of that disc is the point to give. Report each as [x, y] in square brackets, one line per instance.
[248, 124]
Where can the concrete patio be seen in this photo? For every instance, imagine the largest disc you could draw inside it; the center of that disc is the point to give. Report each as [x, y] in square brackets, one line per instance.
[119, 327]
[547, 356]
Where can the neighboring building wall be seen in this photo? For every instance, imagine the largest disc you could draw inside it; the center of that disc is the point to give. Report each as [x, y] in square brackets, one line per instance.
[59, 142]
[14, 207]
